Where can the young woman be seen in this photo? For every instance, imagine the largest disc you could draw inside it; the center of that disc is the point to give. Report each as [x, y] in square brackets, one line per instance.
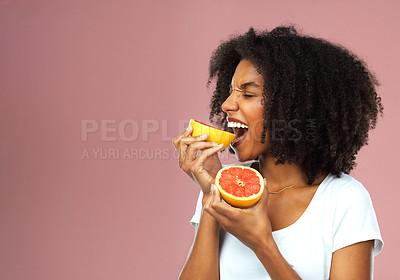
[308, 105]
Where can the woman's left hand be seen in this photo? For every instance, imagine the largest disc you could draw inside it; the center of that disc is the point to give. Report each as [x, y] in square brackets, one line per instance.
[250, 225]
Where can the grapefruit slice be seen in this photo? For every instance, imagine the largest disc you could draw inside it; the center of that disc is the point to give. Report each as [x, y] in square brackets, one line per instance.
[214, 134]
[240, 186]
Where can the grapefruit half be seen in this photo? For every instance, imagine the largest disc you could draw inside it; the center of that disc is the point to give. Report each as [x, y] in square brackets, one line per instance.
[240, 186]
[214, 134]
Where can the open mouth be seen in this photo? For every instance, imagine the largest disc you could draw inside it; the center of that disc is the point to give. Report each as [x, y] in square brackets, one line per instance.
[239, 128]
[240, 134]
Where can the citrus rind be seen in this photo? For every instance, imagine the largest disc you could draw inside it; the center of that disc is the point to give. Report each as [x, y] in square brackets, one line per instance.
[214, 134]
[235, 200]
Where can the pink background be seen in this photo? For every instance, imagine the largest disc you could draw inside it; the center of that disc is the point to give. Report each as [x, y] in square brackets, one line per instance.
[64, 216]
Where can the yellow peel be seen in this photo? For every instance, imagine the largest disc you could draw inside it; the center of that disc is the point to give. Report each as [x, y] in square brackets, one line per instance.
[214, 134]
[235, 200]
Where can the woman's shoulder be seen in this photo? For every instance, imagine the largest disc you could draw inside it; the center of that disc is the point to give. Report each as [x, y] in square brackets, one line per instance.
[344, 183]
[354, 217]
[346, 191]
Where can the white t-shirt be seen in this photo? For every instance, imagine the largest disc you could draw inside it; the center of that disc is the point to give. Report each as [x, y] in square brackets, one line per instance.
[340, 214]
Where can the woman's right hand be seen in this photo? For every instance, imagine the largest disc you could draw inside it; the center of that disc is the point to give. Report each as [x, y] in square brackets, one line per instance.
[201, 168]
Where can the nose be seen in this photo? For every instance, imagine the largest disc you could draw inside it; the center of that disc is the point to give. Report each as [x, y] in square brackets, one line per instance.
[230, 104]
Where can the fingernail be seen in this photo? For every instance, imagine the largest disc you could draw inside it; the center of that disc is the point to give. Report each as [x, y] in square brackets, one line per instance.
[220, 145]
[189, 128]
[215, 144]
[204, 136]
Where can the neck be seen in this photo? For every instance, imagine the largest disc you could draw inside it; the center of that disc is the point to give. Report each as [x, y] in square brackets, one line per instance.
[283, 175]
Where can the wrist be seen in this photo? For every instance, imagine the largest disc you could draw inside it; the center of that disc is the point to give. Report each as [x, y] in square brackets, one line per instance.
[273, 261]
[207, 217]
[266, 246]
[206, 196]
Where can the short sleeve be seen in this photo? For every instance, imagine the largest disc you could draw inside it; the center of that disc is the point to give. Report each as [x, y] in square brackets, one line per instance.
[355, 219]
[197, 214]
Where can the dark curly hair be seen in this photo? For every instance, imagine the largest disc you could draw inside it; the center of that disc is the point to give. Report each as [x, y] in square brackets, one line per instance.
[311, 85]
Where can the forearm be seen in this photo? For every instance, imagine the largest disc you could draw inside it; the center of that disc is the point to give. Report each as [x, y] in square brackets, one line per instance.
[202, 262]
[273, 261]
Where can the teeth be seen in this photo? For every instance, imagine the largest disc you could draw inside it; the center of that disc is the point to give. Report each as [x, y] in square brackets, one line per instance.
[235, 124]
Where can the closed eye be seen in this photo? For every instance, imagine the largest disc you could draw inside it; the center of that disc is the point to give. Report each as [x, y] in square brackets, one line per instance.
[245, 95]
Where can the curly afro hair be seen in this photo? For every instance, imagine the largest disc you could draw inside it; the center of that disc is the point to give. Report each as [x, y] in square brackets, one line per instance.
[321, 94]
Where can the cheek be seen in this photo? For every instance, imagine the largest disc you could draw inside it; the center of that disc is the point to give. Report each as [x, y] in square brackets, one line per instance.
[257, 123]
[255, 111]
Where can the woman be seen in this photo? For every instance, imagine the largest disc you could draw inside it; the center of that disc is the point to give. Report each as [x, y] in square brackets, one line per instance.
[308, 105]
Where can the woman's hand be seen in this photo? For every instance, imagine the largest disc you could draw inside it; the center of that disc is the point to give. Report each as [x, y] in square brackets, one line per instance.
[201, 168]
[250, 225]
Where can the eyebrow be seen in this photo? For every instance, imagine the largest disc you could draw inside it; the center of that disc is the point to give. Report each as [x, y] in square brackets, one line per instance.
[248, 84]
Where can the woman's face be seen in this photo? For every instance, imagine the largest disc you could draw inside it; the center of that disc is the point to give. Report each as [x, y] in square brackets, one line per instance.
[244, 106]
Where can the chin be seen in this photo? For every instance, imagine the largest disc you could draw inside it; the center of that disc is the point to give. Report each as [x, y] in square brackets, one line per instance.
[249, 150]
[240, 159]
[243, 157]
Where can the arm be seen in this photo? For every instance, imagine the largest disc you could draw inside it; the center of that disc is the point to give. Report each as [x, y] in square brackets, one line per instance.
[273, 261]
[253, 228]
[353, 262]
[202, 261]
[355, 230]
